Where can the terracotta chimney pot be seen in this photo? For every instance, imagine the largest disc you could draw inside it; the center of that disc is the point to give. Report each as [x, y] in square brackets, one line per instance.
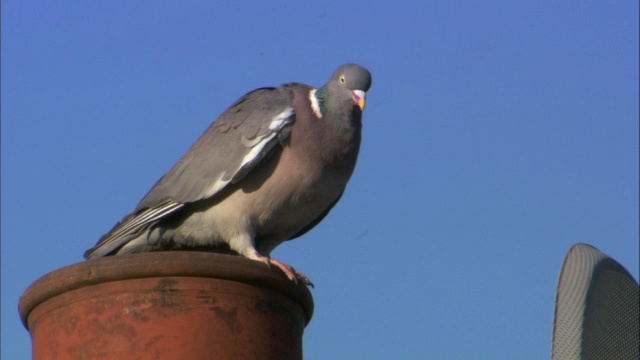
[166, 305]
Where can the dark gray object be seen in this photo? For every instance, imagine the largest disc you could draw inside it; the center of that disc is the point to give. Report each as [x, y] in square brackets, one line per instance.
[597, 308]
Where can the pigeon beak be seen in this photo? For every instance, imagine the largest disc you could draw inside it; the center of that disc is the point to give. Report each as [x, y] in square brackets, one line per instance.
[359, 98]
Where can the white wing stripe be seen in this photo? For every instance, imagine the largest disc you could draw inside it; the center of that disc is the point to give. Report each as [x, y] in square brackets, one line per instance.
[277, 123]
[281, 119]
[256, 150]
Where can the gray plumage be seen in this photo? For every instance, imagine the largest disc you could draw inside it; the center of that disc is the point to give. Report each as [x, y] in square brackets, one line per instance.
[267, 170]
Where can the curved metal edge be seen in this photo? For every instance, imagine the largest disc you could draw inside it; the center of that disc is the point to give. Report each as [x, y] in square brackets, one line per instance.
[573, 284]
[582, 263]
[161, 264]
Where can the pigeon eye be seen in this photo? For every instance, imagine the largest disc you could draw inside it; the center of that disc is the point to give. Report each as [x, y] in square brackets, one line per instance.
[342, 79]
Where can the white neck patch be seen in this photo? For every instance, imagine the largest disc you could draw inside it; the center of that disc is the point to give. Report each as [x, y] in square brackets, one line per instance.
[314, 103]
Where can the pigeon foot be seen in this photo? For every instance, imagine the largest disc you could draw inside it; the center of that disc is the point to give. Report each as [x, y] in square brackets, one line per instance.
[289, 271]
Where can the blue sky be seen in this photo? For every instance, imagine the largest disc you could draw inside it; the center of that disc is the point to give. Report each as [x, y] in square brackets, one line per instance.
[497, 134]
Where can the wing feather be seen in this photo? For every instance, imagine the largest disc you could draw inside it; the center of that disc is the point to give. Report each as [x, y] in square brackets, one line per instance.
[229, 149]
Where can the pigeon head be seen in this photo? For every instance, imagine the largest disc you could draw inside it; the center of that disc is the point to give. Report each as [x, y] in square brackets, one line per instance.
[346, 88]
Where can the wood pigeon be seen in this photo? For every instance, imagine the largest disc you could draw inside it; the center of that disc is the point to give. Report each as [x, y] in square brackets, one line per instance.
[269, 169]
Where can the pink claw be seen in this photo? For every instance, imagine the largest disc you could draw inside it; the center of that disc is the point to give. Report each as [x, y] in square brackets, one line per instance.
[289, 271]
